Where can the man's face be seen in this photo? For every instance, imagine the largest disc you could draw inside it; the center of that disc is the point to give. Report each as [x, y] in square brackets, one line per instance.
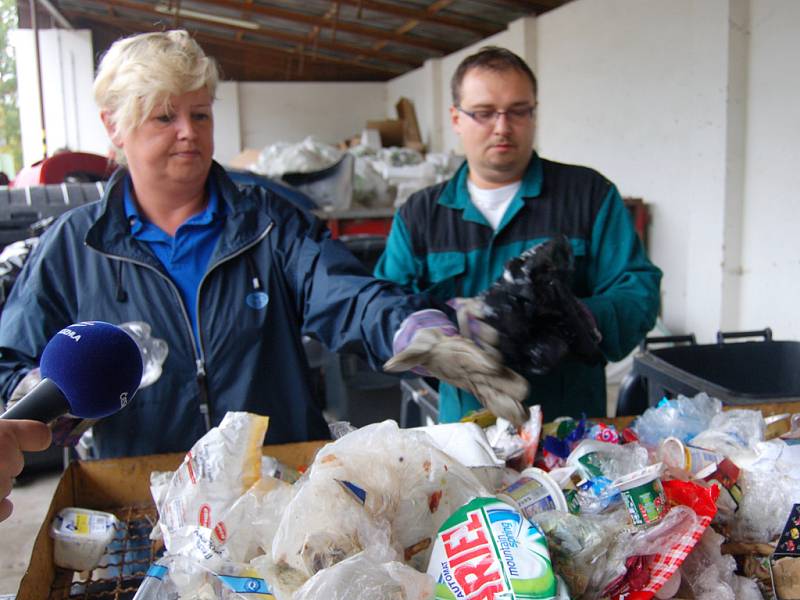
[497, 151]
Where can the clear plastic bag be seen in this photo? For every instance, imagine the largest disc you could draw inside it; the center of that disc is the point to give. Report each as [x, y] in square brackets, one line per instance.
[377, 486]
[682, 418]
[578, 545]
[366, 577]
[204, 510]
[732, 431]
[709, 575]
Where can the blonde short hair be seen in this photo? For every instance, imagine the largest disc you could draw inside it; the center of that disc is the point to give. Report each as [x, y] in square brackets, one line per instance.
[141, 71]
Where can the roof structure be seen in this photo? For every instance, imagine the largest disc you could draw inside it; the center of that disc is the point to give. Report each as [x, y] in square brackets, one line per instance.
[299, 40]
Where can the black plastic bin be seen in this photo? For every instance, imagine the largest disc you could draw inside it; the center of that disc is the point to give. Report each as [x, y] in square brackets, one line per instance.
[739, 373]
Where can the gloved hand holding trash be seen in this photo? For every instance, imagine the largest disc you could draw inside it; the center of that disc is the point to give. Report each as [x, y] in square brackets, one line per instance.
[428, 344]
[529, 316]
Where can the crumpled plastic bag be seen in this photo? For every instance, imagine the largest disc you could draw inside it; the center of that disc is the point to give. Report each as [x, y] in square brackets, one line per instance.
[377, 486]
[682, 418]
[304, 157]
[578, 544]
[205, 512]
[732, 431]
[767, 497]
[367, 577]
[538, 318]
[710, 575]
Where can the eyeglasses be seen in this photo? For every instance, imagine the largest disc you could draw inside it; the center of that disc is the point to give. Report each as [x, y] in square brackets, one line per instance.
[489, 117]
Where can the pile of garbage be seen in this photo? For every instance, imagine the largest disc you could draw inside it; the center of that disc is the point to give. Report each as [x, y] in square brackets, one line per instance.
[380, 177]
[571, 509]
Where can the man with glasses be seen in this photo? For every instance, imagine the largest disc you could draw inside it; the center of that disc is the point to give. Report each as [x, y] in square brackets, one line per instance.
[454, 238]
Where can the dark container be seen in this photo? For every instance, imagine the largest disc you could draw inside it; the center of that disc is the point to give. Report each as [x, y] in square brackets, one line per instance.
[738, 374]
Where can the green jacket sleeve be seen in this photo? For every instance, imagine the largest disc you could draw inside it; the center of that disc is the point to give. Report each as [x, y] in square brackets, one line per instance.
[624, 283]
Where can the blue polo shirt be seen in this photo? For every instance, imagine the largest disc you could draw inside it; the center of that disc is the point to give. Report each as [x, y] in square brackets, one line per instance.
[185, 256]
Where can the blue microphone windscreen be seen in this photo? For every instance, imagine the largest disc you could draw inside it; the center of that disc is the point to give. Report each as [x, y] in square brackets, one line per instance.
[96, 365]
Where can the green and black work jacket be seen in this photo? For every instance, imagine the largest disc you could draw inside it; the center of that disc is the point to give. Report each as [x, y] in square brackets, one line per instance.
[441, 243]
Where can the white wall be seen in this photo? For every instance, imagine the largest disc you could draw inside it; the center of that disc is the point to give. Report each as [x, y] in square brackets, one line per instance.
[272, 112]
[227, 122]
[642, 98]
[71, 117]
[771, 251]
[692, 106]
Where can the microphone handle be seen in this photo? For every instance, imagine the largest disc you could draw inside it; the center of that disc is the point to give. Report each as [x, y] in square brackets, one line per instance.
[43, 403]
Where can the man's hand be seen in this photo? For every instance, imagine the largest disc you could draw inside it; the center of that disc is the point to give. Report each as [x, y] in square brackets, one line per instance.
[16, 436]
[428, 343]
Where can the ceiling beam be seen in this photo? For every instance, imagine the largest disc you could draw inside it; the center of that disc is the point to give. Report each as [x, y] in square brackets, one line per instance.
[126, 24]
[426, 15]
[386, 68]
[319, 21]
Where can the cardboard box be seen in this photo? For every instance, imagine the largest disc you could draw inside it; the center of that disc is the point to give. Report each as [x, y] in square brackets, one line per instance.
[391, 131]
[111, 485]
[403, 131]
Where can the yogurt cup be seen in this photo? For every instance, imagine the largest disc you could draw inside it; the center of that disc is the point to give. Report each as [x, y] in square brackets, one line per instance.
[588, 457]
[643, 495]
[80, 537]
[534, 492]
[674, 453]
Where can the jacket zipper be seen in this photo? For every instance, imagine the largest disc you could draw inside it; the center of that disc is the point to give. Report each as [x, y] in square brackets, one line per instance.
[197, 343]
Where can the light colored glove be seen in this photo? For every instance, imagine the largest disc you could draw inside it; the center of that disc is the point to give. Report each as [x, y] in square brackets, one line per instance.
[427, 343]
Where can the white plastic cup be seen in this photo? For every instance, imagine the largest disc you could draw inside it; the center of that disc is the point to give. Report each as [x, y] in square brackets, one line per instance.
[674, 453]
[643, 495]
[80, 537]
[535, 492]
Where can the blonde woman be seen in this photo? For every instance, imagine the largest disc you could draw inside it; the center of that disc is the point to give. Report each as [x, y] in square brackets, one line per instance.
[231, 277]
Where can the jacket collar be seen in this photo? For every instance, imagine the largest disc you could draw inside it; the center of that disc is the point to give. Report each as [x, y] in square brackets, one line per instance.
[456, 194]
[244, 223]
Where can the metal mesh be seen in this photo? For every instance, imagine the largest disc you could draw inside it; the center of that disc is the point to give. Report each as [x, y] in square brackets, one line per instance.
[124, 564]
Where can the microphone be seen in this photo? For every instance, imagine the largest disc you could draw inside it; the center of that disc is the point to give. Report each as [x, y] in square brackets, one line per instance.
[89, 370]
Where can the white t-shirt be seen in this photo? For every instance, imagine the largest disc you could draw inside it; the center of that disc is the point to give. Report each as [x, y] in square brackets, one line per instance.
[494, 202]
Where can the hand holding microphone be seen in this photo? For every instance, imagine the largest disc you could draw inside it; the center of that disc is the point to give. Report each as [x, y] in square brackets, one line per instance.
[89, 370]
[16, 437]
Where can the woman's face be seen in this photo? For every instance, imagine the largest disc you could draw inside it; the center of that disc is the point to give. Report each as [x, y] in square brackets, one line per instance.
[175, 145]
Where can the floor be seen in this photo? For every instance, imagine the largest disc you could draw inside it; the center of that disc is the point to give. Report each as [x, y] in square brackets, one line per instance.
[31, 497]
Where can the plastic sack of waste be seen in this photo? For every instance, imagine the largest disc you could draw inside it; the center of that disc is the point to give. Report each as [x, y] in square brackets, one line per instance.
[488, 549]
[367, 577]
[538, 318]
[731, 432]
[370, 189]
[175, 577]
[578, 544]
[153, 350]
[710, 575]
[204, 512]
[379, 485]
[767, 497]
[303, 157]
[682, 418]
[651, 557]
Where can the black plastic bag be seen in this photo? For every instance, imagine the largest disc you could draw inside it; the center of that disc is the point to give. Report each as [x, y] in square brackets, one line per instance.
[538, 318]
